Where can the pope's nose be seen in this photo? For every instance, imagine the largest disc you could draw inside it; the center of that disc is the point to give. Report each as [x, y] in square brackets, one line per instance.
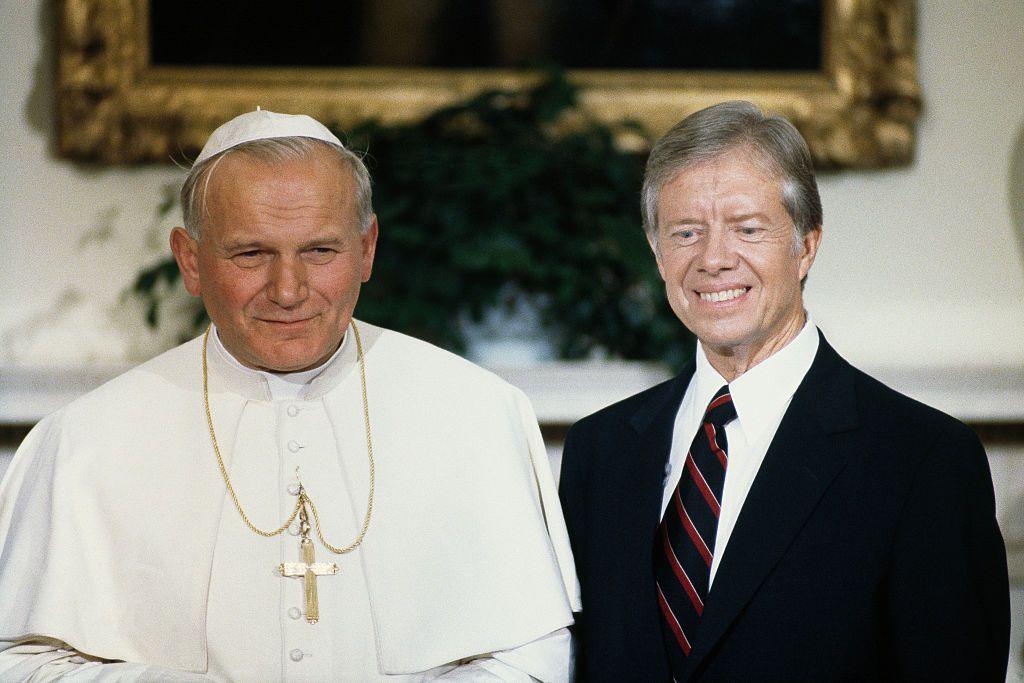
[287, 286]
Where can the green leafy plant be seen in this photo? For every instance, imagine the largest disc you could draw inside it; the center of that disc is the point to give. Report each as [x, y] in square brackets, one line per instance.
[508, 195]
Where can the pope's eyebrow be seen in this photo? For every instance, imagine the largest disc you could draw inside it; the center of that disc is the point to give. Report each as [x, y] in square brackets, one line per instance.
[321, 242]
[241, 245]
[253, 245]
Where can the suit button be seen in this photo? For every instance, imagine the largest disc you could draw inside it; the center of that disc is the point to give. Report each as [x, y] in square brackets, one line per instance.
[296, 655]
[294, 612]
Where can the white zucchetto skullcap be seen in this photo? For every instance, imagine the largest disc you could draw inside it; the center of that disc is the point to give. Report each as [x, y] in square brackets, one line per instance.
[260, 125]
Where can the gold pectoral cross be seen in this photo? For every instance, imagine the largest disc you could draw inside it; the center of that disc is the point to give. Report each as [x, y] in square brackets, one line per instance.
[308, 569]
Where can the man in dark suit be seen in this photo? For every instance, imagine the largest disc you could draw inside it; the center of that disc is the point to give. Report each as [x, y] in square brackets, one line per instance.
[772, 513]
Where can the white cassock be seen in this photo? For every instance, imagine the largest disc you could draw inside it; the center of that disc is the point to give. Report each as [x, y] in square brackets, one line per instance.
[120, 543]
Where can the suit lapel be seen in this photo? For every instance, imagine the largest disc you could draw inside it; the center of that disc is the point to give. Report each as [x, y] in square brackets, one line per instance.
[654, 423]
[640, 475]
[800, 463]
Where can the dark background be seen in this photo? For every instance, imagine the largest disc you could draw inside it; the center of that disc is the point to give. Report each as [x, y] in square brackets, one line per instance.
[758, 35]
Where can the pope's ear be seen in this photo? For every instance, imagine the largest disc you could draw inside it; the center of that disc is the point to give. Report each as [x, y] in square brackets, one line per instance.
[186, 253]
[369, 249]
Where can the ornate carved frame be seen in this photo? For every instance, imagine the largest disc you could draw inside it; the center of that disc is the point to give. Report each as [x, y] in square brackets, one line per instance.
[113, 106]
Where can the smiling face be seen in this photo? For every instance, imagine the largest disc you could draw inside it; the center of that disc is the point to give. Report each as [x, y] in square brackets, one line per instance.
[280, 260]
[731, 263]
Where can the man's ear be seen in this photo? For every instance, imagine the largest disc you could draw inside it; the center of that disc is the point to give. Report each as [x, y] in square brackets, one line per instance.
[186, 253]
[657, 255]
[808, 250]
[369, 245]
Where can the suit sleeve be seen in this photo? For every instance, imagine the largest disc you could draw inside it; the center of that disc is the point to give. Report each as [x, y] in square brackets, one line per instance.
[948, 595]
[572, 494]
[572, 491]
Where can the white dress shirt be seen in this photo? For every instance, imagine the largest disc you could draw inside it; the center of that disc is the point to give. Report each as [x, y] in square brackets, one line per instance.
[761, 396]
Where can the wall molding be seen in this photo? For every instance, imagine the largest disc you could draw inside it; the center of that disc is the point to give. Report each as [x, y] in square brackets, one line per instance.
[564, 391]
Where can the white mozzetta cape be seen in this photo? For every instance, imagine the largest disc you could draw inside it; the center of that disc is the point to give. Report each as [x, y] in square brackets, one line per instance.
[109, 512]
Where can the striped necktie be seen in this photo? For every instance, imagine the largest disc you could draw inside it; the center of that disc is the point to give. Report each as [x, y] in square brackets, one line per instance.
[685, 543]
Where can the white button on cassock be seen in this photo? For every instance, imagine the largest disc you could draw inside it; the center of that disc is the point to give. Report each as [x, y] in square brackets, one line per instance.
[294, 612]
[293, 410]
[296, 655]
[293, 489]
[294, 446]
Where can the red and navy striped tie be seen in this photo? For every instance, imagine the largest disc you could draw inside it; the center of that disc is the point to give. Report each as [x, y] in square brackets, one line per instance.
[685, 542]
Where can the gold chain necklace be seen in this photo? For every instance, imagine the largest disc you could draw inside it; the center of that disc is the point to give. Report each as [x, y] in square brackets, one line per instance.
[303, 498]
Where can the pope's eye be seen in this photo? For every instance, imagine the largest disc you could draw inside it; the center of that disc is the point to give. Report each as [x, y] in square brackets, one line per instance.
[320, 254]
[251, 258]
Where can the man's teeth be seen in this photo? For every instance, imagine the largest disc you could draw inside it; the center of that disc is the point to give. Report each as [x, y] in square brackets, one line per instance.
[723, 296]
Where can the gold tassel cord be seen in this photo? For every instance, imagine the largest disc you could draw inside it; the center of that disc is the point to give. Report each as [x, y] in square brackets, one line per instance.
[303, 499]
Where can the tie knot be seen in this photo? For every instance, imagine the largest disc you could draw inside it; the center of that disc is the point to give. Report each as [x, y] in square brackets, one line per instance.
[721, 410]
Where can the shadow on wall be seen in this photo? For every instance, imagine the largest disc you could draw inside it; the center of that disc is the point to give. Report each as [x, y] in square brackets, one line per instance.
[1016, 188]
[38, 109]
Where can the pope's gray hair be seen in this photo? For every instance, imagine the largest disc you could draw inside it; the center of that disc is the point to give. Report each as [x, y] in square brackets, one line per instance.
[272, 150]
[771, 141]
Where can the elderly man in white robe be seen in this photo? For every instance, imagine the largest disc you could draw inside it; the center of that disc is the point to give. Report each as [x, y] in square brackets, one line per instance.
[294, 495]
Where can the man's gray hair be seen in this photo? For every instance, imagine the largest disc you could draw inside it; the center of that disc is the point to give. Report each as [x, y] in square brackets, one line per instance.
[193, 190]
[771, 141]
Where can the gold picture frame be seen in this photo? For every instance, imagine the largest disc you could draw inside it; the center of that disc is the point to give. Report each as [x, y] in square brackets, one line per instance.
[114, 107]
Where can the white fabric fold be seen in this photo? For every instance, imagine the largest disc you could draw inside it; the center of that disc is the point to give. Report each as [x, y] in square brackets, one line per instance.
[109, 511]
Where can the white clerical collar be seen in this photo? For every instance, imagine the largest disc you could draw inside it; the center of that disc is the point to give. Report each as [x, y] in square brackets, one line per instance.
[761, 392]
[281, 385]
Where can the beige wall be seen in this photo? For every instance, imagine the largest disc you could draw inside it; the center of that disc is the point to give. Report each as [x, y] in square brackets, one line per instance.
[924, 265]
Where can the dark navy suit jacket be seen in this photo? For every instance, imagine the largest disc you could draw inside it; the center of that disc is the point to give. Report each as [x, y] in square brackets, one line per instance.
[867, 548]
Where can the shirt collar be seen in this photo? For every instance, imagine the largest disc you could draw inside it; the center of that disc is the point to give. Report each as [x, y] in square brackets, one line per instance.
[763, 391]
[263, 385]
